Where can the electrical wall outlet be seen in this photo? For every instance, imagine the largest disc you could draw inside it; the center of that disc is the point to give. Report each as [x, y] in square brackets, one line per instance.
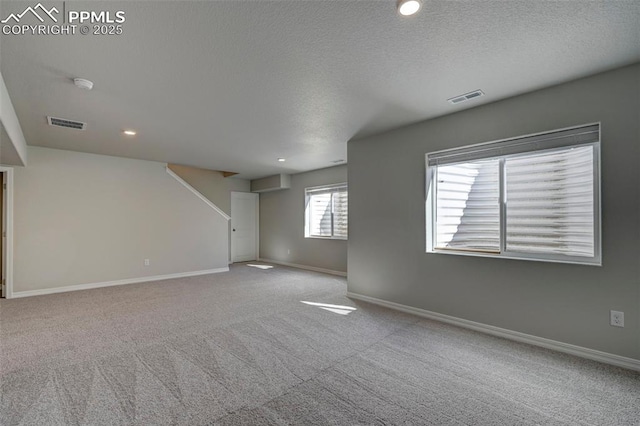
[147, 262]
[288, 251]
[617, 319]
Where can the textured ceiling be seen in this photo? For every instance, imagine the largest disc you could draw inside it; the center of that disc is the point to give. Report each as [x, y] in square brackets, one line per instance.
[233, 85]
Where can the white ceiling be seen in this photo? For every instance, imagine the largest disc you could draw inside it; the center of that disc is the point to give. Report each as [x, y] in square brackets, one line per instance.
[233, 85]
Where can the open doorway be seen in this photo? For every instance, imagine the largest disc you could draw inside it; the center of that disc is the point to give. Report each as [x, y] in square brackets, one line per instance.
[6, 225]
[4, 233]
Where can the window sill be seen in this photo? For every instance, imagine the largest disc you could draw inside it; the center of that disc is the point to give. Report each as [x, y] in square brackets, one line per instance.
[325, 238]
[573, 260]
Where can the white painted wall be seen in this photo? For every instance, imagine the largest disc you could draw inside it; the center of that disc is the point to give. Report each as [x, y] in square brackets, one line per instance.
[84, 218]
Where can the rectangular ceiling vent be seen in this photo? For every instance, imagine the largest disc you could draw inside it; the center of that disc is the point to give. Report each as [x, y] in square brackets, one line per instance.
[69, 124]
[466, 97]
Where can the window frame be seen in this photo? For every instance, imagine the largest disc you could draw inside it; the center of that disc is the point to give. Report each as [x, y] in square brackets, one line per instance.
[332, 188]
[431, 187]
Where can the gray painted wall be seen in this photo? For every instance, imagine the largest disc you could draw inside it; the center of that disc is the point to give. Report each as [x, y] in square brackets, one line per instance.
[84, 218]
[282, 224]
[215, 187]
[271, 183]
[8, 154]
[13, 142]
[212, 184]
[567, 303]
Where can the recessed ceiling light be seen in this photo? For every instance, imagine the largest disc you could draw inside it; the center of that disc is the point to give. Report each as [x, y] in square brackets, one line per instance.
[129, 132]
[408, 7]
[282, 160]
[83, 83]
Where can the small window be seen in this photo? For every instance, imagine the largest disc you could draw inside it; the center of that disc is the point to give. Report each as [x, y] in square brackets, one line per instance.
[535, 198]
[326, 212]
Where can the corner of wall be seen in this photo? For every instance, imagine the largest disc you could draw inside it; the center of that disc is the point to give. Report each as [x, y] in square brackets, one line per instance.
[11, 123]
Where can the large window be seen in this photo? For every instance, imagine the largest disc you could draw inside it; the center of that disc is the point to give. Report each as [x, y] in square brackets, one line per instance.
[326, 211]
[535, 197]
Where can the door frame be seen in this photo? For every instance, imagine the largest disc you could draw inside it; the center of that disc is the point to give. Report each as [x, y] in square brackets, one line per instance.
[257, 198]
[7, 217]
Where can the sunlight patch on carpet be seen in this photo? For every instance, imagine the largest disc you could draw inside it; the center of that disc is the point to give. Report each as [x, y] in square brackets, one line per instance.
[336, 309]
[260, 266]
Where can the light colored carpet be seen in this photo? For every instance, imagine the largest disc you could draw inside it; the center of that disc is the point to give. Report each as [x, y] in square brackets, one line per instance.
[240, 348]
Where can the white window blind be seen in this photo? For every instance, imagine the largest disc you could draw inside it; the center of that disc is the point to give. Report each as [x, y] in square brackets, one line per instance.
[550, 202]
[535, 197]
[326, 212]
[468, 206]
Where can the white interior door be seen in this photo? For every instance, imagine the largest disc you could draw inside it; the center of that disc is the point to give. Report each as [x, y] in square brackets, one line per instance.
[244, 226]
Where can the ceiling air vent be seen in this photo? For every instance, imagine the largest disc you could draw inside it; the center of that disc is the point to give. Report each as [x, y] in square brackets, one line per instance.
[466, 97]
[69, 124]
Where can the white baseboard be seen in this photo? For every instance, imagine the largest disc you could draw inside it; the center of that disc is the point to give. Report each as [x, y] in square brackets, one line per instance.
[604, 357]
[308, 268]
[77, 287]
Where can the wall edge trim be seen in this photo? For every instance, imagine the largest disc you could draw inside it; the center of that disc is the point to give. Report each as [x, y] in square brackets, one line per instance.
[305, 267]
[77, 287]
[8, 249]
[582, 352]
[196, 193]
